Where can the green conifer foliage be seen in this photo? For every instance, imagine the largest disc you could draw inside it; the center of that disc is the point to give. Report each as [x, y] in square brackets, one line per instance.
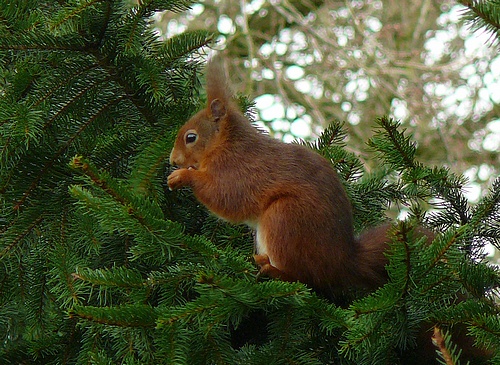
[101, 264]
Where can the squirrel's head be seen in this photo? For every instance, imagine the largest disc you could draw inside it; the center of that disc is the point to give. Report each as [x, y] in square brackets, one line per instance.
[201, 132]
[197, 136]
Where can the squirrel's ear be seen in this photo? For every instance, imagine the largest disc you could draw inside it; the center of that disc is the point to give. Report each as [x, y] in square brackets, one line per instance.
[217, 108]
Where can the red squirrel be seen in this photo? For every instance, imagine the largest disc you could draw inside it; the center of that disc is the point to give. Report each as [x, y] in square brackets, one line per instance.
[290, 195]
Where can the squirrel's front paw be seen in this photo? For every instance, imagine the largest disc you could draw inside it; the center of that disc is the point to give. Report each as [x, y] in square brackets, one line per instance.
[178, 178]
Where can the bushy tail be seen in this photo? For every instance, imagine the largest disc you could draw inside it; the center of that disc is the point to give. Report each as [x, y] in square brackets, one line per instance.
[371, 260]
[373, 244]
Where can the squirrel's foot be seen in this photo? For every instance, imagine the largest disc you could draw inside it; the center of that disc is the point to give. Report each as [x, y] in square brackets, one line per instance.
[267, 269]
[261, 260]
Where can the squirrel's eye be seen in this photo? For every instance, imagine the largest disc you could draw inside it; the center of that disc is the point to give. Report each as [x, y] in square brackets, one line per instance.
[191, 138]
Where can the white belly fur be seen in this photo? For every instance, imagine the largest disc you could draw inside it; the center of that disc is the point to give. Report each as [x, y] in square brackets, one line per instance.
[261, 244]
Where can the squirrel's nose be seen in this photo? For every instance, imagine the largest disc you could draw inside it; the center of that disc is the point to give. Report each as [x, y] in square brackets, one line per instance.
[175, 159]
[171, 160]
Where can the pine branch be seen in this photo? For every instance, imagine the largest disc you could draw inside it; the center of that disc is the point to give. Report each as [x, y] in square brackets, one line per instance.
[398, 151]
[117, 276]
[148, 164]
[126, 214]
[124, 316]
[484, 15]
[49, 164]
[446, 349]
[72, 12]
[18, 236]
[485, 218]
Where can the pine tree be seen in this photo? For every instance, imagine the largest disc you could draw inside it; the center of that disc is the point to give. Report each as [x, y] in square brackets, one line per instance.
[101, 264]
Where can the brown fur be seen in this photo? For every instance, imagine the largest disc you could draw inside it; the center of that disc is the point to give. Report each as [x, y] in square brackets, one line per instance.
[291, 195]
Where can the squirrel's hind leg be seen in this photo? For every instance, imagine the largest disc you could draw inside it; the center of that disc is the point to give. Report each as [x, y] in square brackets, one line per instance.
[278, 240]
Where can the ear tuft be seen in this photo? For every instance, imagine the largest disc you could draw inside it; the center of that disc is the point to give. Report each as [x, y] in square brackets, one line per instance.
[217, 108]
[217, 82]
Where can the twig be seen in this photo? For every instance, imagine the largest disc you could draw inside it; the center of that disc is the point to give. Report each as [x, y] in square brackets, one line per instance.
[439, 342]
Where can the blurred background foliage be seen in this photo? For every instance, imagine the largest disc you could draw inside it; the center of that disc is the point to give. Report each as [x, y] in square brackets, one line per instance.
[308, 63]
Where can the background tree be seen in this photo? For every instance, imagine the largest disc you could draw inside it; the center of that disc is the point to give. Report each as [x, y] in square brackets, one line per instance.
[100, 264]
